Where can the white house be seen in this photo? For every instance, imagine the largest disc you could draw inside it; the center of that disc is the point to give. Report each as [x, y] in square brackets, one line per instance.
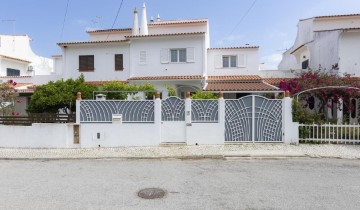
[164, 52]
[326, 42]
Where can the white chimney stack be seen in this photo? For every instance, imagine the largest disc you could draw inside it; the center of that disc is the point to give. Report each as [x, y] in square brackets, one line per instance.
[144, 25]
[135, 29]
[158, 18]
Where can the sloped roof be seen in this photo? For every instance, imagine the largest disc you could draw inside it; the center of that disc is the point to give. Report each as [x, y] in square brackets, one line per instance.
[91, 42]
[16, 59]
[190, 77]
[239, 86]
[185, 21]
[234, 78]
[172, 34]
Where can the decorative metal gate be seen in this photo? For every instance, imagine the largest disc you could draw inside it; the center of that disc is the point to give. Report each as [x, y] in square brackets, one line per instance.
[173, 126]
[253, 119]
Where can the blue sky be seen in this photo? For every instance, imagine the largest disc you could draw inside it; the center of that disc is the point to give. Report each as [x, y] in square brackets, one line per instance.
[271, 24]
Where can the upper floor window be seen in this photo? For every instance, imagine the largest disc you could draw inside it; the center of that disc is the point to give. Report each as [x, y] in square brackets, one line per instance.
[305, 64]
[229, 61]
[12, 72]
[119, 62]
[178, 55]
[86, 63]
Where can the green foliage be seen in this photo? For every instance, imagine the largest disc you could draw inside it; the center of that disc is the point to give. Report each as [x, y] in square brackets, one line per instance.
[127, 88]
[204, 95]
[171, 91]
[304, 117]
[148, 87]
[51, 97]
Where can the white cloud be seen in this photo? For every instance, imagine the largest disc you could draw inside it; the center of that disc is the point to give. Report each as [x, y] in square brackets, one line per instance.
[230, 40]
[272, 61]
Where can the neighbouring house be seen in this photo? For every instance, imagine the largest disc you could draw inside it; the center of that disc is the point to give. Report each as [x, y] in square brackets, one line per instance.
[173, 53]
[19, 63]
[327, 43]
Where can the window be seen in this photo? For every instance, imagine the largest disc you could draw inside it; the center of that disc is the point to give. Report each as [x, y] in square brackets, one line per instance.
[305, 64]
[178, 55]
[142, 57]
[229, 61]
[86, 63]
[12, 72]
[311, 102]
[119, 65]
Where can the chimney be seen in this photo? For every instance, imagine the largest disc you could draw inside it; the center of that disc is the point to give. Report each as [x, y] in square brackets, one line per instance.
[151, 19]
[158, 18]
[144, 26]
[135, 29]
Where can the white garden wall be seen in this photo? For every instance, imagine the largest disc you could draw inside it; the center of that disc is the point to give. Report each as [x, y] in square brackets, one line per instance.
[37, 136]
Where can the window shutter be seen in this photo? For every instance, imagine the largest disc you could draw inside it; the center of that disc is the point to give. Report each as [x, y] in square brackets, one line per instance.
[241, 60]
[142, 57]
[218, 61]
[190, 54]
[164, 56]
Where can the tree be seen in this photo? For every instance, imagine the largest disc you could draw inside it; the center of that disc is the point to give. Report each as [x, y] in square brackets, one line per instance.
[171, 91]
[53, 96]
[125, 89]
[8, 97]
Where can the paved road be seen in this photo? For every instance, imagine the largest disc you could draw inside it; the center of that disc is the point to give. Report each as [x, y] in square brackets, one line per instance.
[190, 184]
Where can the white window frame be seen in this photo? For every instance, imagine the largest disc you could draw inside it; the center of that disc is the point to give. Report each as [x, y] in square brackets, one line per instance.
[229, 57]
[178, 55]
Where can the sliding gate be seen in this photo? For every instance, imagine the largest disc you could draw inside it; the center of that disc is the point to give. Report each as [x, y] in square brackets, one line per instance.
[253, 119]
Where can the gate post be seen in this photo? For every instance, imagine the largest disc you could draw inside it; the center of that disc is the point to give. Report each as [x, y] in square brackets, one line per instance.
[188, 109]
[157, 116]
[222, 114]
[290, 128]
[78, 99]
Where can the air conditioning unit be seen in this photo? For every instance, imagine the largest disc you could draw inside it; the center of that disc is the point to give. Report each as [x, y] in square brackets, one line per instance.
[30, 68]
[117, 118]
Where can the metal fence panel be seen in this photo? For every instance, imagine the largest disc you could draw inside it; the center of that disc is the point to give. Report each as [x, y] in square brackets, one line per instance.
[204, 111]
[102, 111]
[173, 109]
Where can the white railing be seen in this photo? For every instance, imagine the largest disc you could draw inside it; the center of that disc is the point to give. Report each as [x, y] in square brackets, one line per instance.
[330, 133]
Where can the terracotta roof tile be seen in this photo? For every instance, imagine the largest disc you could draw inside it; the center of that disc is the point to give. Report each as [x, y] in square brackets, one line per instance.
[336, 29]
[191, 77]
[335, 16]
[91, 42]
[234, 78]
[173, 34]
[13, 58]
[101, 82]
[15, 77]
[109, 30]
[239, 86]
[276, 81]
[170, 22]
[234, 48]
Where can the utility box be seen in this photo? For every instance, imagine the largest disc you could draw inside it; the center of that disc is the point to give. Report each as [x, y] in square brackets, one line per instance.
[117, 118]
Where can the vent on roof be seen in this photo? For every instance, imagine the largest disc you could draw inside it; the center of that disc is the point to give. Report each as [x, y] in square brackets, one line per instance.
[30, 68]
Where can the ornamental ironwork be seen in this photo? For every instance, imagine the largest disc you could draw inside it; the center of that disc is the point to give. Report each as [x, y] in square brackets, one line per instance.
[173, 109]
[204, 111]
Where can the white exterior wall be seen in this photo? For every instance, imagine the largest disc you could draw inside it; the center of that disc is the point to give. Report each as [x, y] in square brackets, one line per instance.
[18, 46]
[153, 47]
[37, 136]
[114, 35]
[6, 63]
[336, 23]
[178, 28]
[104, 61]
[251, 62]
[324, 50]
[349, 53]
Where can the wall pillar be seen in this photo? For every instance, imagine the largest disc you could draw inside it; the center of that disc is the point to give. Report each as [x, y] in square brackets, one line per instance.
[329, 109]
[222, 115]
[157, 116]
[78, 99]
[290, 128]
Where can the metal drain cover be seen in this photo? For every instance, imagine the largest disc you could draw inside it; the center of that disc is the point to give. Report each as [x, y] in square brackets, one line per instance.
[151, 193]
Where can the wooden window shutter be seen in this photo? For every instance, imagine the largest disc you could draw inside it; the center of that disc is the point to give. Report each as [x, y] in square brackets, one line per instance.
[190, 54]
[86, 62]
[119, 62]
[241, 60]
[164, 55]
[218, 61]
[142, 57]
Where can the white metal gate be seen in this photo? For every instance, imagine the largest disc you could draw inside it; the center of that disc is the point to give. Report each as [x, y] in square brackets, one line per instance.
[173, 126]
[253, 119]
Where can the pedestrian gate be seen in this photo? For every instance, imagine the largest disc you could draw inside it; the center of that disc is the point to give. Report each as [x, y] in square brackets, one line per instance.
[253, 119]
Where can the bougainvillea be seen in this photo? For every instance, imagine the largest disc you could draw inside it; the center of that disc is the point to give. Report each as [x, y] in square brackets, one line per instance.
[8, 99]
[350, 88]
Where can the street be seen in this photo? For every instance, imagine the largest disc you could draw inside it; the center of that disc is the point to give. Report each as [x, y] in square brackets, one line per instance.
[189, 184]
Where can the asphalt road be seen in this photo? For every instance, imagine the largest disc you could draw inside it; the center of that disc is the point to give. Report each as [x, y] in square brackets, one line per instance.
[190, 184]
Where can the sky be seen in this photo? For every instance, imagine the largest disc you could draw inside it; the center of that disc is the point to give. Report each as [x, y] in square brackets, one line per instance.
[270, 24]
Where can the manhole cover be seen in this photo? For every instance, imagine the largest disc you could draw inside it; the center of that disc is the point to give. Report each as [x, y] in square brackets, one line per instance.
[151, 193]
